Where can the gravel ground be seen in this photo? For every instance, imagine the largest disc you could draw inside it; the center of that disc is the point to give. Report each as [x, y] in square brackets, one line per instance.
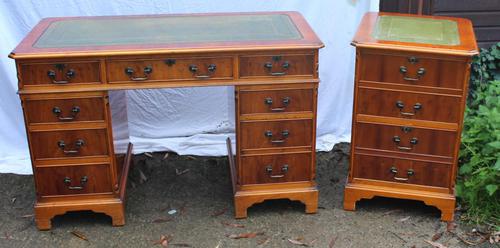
[201, 196]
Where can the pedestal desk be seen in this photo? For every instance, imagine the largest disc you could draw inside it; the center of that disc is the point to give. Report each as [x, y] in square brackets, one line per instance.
[66, 66]
[411, 83]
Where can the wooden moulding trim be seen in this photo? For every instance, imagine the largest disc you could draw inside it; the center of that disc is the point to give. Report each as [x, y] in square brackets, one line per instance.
[395, 53]
[73, 95]
[81, 125]
[277, 116]
[53, 198]
[80, 161]
[438, 158]
[274, 188]
[275, 150]
[271, 87]
[405, 48]
[386, 155]
[68, 161]
[410, 88]
[389, 188]
[51, 55]
[277, 153]
[124, 175]
[394, 121]
[232, 164]
[414, 91]
[79, 202]
[157, 85]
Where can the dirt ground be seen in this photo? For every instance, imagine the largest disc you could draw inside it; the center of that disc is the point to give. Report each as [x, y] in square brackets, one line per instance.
[202, 199]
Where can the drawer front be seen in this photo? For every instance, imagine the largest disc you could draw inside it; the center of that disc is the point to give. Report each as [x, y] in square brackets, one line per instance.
[170, 69]
[408, 105]
[273, 134]
[276, 101]
[68, 144]
[401, 171]
[78, 179]
[405, 139]
[277, 65]
[275, 168]
[410, 70]
[64, 110]
[60, 73]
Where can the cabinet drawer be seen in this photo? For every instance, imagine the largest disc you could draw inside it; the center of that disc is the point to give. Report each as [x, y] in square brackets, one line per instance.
[60, 73]
[275, 168]
[64, 110]
[276, 101]
[75, 179]
[170, 69]
[412, 70]
[405, 139]
[277, 65]
[401, 170]
[408, 105]
[64, 144]
[270, 134]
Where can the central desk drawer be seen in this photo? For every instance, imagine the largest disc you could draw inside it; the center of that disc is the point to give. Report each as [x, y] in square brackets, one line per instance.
[277, 65]
[169, 69]
[276, 101]
[275, 168]
[280, 133]
[64, 110]
[69, 144]
[405, 139]
[408, 105]
[60, 73]
[73, 179]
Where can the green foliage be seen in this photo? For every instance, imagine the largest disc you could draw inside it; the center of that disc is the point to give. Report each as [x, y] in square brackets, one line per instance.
[485, 68]
[479, 174]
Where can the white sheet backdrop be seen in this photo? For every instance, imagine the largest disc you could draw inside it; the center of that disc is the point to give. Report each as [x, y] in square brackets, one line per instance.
[187, 120]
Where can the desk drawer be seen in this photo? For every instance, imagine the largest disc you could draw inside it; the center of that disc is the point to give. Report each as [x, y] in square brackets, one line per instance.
[60, 73]
[276, 101]
[275, 168]
[74, 179]
[407, 105]
[69, 144]
[170, 69]
[405, 139]
[277, 65]
[64, 110]
[272, 134]
[401, 171]
[412, 70]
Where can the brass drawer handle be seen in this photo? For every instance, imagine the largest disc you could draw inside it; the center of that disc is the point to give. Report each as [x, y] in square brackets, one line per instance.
[284, 66]
[285, 101]
[78, 144]
[284, 135]
[83, 181]
[269, 170]
[394, 170]
[210, 69]
[401, 105]
[69, 75]
[58, 113]
[147, 71]
[397, 140]
[420, 72]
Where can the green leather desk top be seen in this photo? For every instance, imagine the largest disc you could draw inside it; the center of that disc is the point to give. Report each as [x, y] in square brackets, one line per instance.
[417, 30]
[167, 29]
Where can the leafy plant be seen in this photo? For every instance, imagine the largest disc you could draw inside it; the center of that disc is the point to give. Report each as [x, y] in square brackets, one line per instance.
[478, 184]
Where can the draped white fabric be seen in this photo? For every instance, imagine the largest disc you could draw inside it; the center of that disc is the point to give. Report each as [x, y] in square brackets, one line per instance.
[185, 120]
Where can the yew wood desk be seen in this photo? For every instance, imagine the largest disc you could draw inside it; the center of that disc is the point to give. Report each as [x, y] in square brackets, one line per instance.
[66, 66]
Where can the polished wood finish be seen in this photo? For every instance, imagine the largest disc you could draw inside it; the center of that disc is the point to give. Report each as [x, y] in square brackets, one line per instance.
[84, 173]
[406, 125]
